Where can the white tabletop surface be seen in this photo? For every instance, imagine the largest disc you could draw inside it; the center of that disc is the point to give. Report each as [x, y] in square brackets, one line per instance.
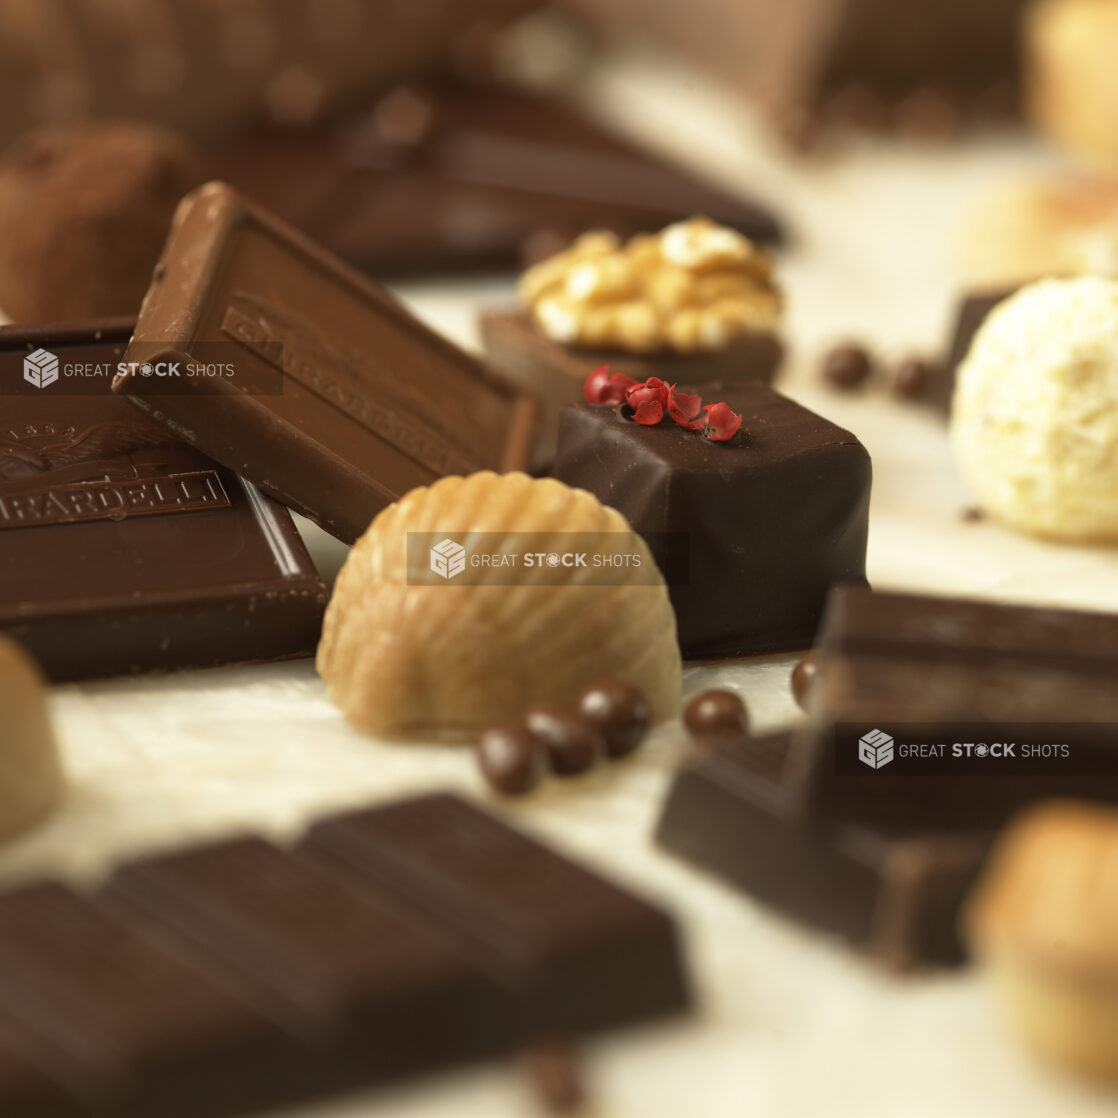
[788, 1024]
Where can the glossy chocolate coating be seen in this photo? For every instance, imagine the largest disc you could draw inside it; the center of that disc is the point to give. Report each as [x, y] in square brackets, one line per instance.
[512, 759]
[516, 346]
[803, 679]
[123, 550]
[574, 744]
[620, 712]
[774, 517]
[341, 401]
[893, 892]
[716, 712]
[847, 366]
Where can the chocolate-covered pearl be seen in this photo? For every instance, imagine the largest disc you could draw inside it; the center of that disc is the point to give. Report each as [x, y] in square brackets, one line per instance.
[573, 743]
[803, 676]
[512, 759]
[912, 377]
[718, 714]
[846, 366]
[619, 711]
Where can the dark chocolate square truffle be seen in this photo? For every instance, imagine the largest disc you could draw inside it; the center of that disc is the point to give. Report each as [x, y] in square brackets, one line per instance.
[773, 518]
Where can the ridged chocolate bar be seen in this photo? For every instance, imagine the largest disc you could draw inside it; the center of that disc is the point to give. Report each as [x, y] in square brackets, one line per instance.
[340, 400]
[581, 952]
[893, 892]
[237, 977]
[122, 549]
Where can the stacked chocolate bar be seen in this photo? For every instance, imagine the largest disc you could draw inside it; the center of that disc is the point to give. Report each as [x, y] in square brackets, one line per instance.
[932, 721]
[235, 977]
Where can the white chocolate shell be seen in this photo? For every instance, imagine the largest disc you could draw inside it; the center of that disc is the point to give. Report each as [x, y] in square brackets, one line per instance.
[449, 659]
[31, 778]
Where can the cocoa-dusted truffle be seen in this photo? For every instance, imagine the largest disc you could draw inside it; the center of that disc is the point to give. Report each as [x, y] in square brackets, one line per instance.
[84, 212]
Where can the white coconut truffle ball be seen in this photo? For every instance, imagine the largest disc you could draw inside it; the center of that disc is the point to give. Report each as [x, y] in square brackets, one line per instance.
[1035, 416]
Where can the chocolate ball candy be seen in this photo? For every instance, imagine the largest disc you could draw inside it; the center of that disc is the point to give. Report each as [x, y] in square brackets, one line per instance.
[912, 377]
[573, 743]
[717, 714]
[803, 676]
[620, 712]
[512, 759]
[846, 366]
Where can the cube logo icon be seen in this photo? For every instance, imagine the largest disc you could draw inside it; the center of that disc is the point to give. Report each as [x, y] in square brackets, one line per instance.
[875, 749]
[40, 368]
[448, 559]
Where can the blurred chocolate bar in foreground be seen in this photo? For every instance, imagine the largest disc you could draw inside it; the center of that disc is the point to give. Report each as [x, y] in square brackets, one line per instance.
[864, 61]
[207, 67]
[453, 174]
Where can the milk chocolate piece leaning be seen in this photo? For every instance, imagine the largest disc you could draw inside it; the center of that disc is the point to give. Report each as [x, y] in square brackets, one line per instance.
[774, 517]
[350, 974]
[449, 175]
[580, 952]
[516, 346]
[239, 976]
[1019, 702]
[893, 892]
[341, 401]
[123, 550]
[972, 313]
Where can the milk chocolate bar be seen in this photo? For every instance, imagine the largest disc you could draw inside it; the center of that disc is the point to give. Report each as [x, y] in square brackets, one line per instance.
[340, 400]
[448, 175]
[951, 713]
[123, 550]
[581, 952]
[891, 891]
[774, 517]
[238, 976]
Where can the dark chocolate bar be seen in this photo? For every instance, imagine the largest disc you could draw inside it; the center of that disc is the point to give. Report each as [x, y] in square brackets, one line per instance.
[516, 346]
[346, 972]
[451, 175]
[239, 976]
[122, 549]
[340, 401]
[950, 713]
[581, 952]
[893, 892]
[973, 311]
[774, 517]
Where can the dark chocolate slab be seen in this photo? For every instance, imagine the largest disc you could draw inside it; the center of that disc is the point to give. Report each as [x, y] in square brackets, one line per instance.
[893, 892]
[581, 953]
[122, 549]
[450, 175]
[131, 1028]
[775, 517]
[26, 1090]
[948, 672]
[518, 348]
[341, 401]
[385, 993]
[973, 311]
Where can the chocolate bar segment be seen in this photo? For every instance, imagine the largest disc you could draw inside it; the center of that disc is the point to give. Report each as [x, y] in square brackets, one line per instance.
[131, 1028]
[950, 713]
[774, 517]
[580, 953]
[449, 175]
[893, 892]
[341, 401]
[384, 993]
[122, 549]
[25, 1089]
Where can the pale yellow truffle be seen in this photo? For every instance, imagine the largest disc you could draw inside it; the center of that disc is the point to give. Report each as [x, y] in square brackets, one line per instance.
[31, 780]
[1035, 416]
[451, 657]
